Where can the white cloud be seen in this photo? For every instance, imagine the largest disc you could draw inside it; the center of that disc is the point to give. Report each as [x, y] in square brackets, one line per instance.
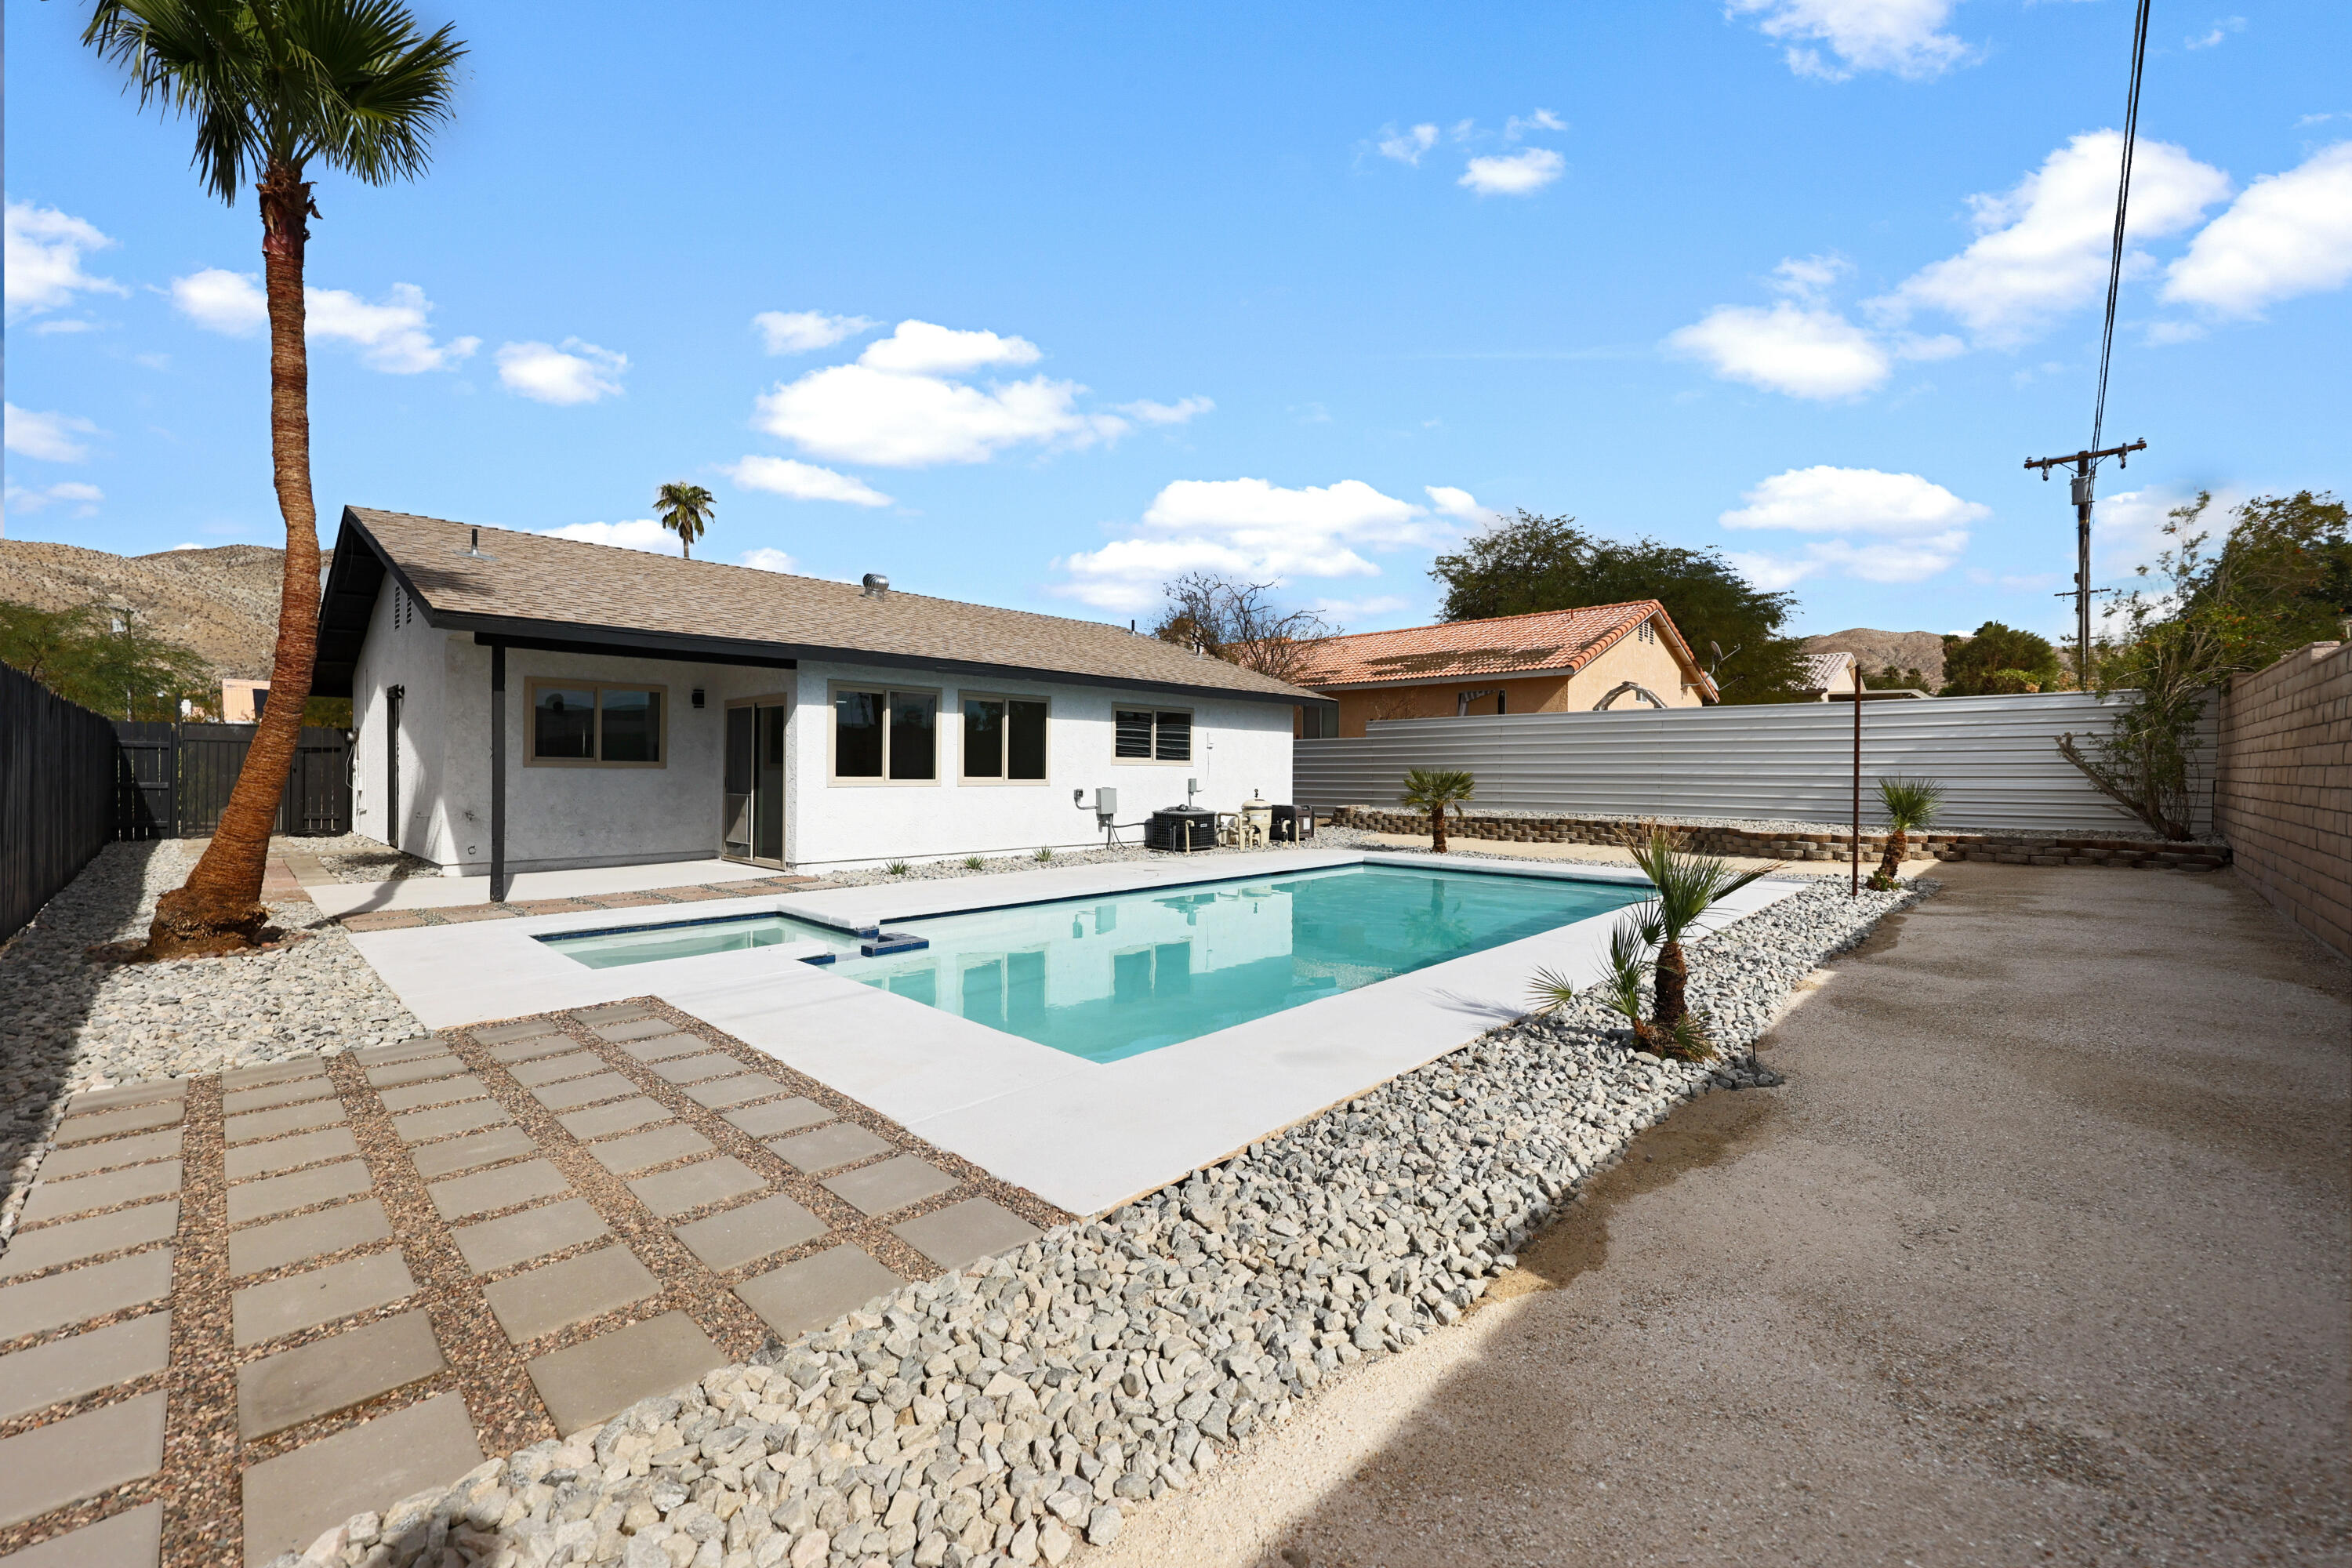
[82, 497]
[1943, 345]
[852, 413]
[1789, 348]
[2289, 234]
[62, 325]
[220, 300]
[1809, 277]
[1905, 36]
[1920, 526]
[918, 348]
[48, 437]
[1180, 412]
[391, 335]
[2044, 245]
[766, 558]
[1246, 528]
[1407, 146]
[803, 481]
[1513, 173]
[1542, 119]
[44, 253]
[2219, 31]
[576, 372]
[1341, 611]
[1771, 573]
[805, 331]
[1458, 504]
[643, 533]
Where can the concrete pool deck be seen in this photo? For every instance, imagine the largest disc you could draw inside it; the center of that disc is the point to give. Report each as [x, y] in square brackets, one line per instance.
[1082, 1135]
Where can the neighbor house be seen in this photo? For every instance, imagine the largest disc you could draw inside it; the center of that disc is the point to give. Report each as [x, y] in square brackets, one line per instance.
[1828, 677]
[525, 702]
[1553, 661]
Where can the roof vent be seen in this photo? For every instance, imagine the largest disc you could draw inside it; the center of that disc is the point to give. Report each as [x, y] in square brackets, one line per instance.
[877, 586]
[474, 550]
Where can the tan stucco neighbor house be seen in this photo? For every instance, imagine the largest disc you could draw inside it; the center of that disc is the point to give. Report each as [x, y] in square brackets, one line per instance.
[1603, 656]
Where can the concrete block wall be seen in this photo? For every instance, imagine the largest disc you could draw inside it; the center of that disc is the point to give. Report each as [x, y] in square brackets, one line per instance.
[2283, 789]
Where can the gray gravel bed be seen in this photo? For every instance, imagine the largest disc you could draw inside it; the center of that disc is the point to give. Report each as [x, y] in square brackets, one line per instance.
[1009, 1413]
[68, 1023]
[356, 858]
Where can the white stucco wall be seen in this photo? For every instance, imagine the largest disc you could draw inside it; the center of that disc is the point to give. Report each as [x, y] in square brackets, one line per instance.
[409, 654]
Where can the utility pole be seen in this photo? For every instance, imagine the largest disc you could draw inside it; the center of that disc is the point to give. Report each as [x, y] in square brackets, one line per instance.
[2084, 464]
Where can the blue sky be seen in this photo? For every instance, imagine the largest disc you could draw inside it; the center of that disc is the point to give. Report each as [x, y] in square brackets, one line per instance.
[1039, 307]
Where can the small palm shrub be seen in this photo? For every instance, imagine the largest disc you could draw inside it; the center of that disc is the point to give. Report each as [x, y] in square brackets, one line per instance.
[897, 867]
[1909, 803]
[975, 863]
[1045, 853]
[1688, 885]
[1433, 790]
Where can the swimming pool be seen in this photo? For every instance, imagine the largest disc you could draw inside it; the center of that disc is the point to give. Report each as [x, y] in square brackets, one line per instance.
[1113, 976]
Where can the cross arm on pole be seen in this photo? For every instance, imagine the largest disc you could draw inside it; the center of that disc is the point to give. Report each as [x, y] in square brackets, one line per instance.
[2083, 459]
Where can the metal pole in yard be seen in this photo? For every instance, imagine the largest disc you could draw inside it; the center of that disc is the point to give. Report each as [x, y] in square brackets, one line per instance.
[1854, 889]
[498, 772]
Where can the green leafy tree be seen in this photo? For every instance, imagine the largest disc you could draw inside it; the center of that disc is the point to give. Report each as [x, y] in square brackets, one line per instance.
[105, 661]
[1529, 563]
[1435, 791]
[684, 511]
[1998, 660]
[1890, 678]
[2281, 578]
[277, 88]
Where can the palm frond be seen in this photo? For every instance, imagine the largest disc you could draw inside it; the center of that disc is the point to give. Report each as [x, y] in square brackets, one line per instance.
[1549, 991]
[1910, 802]
[1688, 884]
[1431, 788]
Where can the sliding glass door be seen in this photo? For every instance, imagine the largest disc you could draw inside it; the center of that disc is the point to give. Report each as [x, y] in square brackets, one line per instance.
[752, 814]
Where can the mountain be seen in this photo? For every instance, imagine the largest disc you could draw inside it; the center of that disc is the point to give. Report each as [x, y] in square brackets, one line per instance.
[221, 602]
[1922, 651]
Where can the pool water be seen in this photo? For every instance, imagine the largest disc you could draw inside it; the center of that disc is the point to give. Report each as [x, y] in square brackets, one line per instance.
[1109, 977]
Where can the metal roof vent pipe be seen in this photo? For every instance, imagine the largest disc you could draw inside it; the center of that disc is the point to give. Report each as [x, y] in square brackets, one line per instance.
[877, 586]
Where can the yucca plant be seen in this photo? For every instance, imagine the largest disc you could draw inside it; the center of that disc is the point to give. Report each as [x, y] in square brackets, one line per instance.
[897, 867]
[975, 863]
[1433, 790]
[1045, 853]
[1688, 885]
[1909, 803]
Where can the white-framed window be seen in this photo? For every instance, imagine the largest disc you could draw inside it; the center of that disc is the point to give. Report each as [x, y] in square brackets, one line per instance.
[1152, 734]
[1004, 739]
[596, 724]
[884, 735]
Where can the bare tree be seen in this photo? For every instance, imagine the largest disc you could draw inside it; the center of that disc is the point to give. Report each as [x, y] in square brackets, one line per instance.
[1239, 622]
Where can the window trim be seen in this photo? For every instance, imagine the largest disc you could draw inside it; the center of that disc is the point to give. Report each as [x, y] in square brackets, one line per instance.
[530, 689]
[832, 688]
[1191, 725]
[1002, 781]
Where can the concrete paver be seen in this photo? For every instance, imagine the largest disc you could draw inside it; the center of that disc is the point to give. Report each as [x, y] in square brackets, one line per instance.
[641, 1150]
[503, 1187]
[439, 1091]
[107, 1123]
[270, 1196]
[416, 1069]
[87, 1157]
[128, 1094]
[131, 1538]
[890, 1186]
[557, 1295]
[815, 1290]
[280, 1242]
[504, 1034]
[78, 1238]
[82, 1194]
[778, 1116]
[80, 1294]
[719, 1093]
[66, 1369]
[694, 1069]
[499, 1244]
[525, 1048]
[755, 1230]
[270, 1072]
[464, 1153]
[668, 1193]
[587, 1383]
[830, 1148]
[552, 1069]
[290, 1499]
[293, 1092]
[965, 1232]
[262, 1312]
[81, 1456]
[633, 1029]
[583, 1091]
[288, 1154]
[423, 1126]
[291, 1119]
[662, 1047]
[277, 1392]
[604, 1121]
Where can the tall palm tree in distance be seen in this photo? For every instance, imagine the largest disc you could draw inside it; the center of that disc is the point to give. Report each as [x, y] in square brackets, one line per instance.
[684, 511]
[276, 87]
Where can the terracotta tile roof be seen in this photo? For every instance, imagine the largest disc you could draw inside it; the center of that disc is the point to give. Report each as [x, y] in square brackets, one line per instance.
[570, 588]
[1546, 640]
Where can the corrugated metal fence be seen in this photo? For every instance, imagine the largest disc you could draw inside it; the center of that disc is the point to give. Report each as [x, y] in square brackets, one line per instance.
[1997, 758]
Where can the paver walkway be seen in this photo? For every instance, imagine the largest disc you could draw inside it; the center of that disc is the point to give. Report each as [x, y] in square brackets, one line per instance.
[239, 1310]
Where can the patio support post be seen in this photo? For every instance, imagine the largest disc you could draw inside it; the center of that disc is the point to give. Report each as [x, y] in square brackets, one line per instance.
[1855, 890]
[498, 772]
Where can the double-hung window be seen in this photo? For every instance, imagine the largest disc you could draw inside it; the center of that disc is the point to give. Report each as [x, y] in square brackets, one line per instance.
[596, 724]
[883, 735]
[1152, 734]
[1004, 740]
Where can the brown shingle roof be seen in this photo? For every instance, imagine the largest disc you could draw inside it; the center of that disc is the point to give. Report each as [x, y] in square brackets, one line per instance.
[572, 589]
[1505, 645]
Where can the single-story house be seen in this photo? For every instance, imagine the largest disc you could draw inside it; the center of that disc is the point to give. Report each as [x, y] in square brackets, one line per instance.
[242, 702]
[1828, 677]
[522, 702]
[1552, 661]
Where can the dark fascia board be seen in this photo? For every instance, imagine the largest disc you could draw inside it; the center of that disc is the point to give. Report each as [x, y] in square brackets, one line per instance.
[581, 638]
[345, 601]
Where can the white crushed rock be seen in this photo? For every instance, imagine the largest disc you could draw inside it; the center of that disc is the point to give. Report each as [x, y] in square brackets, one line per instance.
[1009, 1413]
[2121, 828]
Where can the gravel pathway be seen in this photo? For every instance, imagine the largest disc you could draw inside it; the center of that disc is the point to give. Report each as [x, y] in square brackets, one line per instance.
[1008, 1412]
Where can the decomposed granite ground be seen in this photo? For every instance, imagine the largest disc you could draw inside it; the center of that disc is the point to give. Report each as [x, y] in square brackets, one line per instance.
[239, 1309]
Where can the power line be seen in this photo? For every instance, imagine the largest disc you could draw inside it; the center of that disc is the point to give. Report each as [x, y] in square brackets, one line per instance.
[2123, 204]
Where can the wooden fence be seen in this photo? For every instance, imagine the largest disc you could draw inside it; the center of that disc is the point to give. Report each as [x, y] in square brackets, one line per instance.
[56, 794]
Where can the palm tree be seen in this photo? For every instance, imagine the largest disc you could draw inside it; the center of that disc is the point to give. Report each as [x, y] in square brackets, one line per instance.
[1687, 887]
[1433, 790]
[685, 510]
[275, 87]
[1908, 803]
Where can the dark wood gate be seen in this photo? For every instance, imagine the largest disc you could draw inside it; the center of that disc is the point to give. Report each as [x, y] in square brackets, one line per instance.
[175, 780]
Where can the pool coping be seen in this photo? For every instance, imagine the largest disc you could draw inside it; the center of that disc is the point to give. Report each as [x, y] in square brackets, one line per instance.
[1084, 1135]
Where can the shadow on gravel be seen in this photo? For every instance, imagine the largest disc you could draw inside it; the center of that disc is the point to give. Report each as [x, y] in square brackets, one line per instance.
[47, 989]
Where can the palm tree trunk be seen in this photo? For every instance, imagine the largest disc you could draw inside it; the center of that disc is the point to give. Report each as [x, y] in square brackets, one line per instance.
[219, 909]
[1893, 859]
[1437, 828]
[1672, 975]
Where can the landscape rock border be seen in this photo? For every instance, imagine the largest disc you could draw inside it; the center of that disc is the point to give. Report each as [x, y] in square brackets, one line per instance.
[1007, 1413]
